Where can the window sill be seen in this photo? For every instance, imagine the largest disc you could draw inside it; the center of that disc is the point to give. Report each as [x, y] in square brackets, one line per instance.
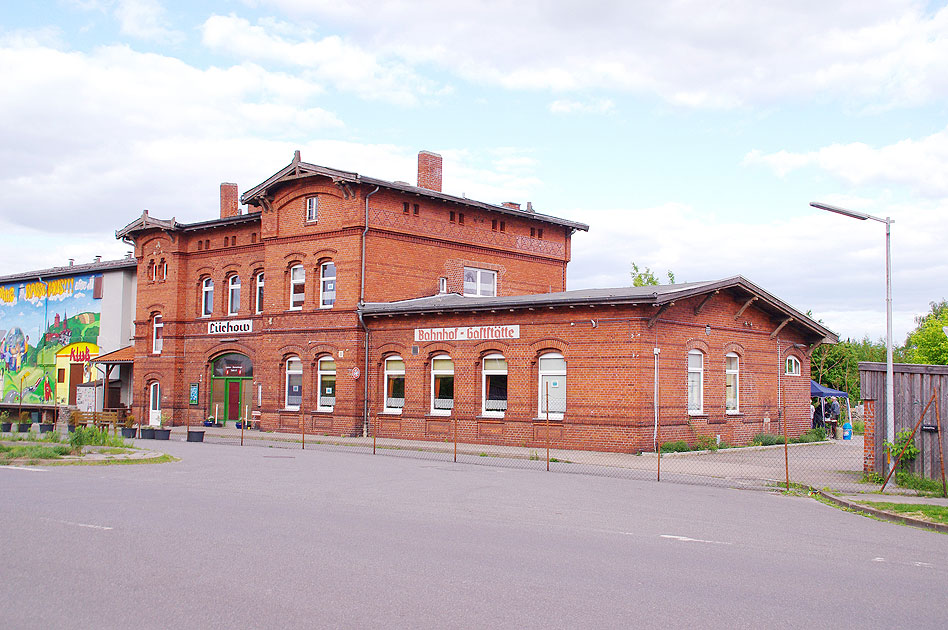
[289, 410]
[391, 412]
[490, 416]
[326, 410]
[697, 414]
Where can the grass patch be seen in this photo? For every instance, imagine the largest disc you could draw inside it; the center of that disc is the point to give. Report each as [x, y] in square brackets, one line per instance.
[112, 450]
[163, 459]
[929, 513]
[32, 452]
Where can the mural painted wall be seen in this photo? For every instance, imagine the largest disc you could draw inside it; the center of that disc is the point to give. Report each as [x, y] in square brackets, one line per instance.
[48, 334]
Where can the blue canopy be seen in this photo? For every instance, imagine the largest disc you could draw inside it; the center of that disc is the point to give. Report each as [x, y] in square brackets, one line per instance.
[821, 391]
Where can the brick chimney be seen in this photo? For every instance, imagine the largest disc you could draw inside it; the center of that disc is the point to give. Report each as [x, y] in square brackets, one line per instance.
[429, 170]
[229, 207]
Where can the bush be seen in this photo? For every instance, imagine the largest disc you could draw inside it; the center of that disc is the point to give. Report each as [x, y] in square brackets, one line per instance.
[706, 443]
[902, 441]
[816, 434]
[767, 439]
[91, 436]
[675, 447]
[906, 479]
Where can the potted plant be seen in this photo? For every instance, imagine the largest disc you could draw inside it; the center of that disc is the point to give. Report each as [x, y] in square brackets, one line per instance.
[5, 424]
[128, 430]
[25, 422]
[162, 433]
[45, 426]
[209, 422]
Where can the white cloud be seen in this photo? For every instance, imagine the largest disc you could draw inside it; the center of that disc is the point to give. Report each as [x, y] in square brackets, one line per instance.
[921, 165]
[145, 19]
[688, 52]
[332, 59]
[598, 106]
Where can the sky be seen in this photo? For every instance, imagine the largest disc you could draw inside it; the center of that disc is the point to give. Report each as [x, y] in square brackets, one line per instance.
[690, 136]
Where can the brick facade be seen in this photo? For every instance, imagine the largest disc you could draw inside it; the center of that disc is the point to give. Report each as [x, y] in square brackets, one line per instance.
[319, 220]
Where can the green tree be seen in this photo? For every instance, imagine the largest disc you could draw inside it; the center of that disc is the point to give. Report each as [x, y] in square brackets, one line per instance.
[644, 278]
[928, 343]
[837, 365]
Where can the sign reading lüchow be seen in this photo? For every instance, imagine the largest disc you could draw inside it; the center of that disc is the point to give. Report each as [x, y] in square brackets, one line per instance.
[230, 327]
[468, 333]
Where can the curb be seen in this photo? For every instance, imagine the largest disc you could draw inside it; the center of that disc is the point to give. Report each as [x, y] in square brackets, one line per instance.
[886, 516]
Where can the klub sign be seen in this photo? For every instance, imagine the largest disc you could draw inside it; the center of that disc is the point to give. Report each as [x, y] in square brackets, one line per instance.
[79, 352]
[468, 333]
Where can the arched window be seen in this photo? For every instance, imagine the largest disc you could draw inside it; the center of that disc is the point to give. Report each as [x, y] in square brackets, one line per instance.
[494, 385]
[552, 378]
[207, 302]
[696, 382]
[327, 285]
[326, 385]
[394, 385]
[793, 366]
[297, 287]
[163, 270]
[442, 385]
[156, 334]
[259, 301]
[233, 295]
[152, 271]
[732, 381]
[294, 383]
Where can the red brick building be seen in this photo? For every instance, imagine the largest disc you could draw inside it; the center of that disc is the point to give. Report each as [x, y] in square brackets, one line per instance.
[349, 305]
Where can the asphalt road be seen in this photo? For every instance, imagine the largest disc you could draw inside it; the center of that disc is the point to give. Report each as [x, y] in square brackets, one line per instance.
[254, 538]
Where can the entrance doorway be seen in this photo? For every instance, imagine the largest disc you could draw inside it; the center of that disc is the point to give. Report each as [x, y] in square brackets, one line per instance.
[233, 399]
[75, 377]
[231, 382]
[154, 413]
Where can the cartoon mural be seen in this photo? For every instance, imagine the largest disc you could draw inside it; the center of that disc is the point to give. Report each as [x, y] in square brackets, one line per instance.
[48, 333]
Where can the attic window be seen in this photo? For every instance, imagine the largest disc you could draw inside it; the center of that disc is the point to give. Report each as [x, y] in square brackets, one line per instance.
[405, 207]
[493, 224]
[451, 216]
[207, 243]
[415, 209]
[460, 218]
[533, 232]
[540, 233]
[200, 245]
[503, 226]
[226, 241]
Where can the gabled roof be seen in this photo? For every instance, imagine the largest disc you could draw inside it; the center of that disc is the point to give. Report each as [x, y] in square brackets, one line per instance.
[70, 270]
[658, 296]
[146, 222]
[122, 355]
[299, 170]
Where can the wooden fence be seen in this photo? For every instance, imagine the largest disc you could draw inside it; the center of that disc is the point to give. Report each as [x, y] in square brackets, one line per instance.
[913, 386]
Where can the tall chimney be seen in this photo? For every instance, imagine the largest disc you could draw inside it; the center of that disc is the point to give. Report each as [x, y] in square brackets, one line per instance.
[229, 207]
[429, 170]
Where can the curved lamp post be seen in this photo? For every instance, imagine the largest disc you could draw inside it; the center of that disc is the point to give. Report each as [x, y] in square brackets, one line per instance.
[889, 387]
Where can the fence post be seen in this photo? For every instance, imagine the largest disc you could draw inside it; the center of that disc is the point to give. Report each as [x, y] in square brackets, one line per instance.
[786, 446]
[454, 425]
[303, 431]
[941, 446]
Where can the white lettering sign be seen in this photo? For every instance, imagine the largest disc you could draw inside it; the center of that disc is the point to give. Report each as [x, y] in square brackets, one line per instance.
[230, 327]
[468, 333]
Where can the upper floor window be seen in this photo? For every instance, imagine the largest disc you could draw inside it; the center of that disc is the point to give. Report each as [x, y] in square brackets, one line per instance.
[259, 303]
[442, 285]
[157, 334]
[793, 366]
[442, 385]
[163, 270]
[207, 302]
[327, 285]
[233, 295]
[326, 376]
[494, 385]
[552, 379]
[695, 382]
[297, 287]
[152, 271]
[312, 209]
[732, 383]
[294, 383]
[394, 385]
[480, 282]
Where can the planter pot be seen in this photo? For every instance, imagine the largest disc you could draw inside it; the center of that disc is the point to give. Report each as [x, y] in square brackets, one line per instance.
[208, 423]
[46, 427]
[237, 425]
[6, 426]
[72, 428]
[129, 432]
[195, 436]
[23, 428]
[162, 434]
[148, 433]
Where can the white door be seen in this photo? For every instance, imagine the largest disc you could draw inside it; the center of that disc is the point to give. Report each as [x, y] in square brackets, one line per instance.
[154, 417]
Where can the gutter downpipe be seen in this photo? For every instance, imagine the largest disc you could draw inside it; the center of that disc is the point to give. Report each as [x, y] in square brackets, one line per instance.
[365, 354]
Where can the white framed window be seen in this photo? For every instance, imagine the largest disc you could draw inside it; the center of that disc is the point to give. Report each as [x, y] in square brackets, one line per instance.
[552, 379]
[233, 295]
[326, 384]
[793, 366]
[494, 385]
[394, 385]
[157, 334]
[152, 271]
[297, 287]
[327, 285]
[695, 382]
[207, 301]
[442, 385]
[480, 282]
[732, 381]
[312, 209]
[294, 383]
[442, 285]
[259, 304]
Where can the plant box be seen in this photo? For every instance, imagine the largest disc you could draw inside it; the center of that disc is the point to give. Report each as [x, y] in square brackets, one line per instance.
[195, 436]
[148, 433]
[162, 434]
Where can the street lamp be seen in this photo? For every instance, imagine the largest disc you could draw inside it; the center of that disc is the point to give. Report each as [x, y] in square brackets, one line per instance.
[889, 387]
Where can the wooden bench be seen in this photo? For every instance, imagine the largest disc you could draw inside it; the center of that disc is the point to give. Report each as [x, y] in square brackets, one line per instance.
[99, 419]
